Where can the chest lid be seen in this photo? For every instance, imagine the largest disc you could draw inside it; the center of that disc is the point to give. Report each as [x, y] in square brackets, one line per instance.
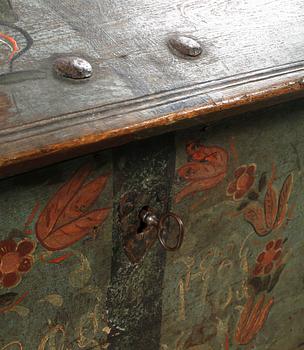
[77, 75]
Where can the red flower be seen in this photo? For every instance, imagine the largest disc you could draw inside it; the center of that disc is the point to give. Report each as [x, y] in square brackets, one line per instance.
[269, 259]
[243, 180]
[15, 260]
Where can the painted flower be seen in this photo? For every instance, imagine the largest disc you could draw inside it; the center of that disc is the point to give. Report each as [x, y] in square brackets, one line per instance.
[206, 168]
[15, 260]
[243, 180]
[269, 259]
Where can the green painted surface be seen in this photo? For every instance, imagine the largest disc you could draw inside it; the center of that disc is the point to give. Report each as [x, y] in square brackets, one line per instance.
[236, 283]
[225, 263]
[64, 301]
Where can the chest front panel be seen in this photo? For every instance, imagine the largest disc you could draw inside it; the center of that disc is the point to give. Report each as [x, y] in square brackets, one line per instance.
[237, 282]
[72, 279]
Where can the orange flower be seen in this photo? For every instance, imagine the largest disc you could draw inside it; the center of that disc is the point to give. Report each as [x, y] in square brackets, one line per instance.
[15, 260]
[269, 259]
[207, 168]
[243, 180]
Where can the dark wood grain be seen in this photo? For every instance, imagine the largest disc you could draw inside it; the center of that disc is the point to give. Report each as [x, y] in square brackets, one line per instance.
[252, 54]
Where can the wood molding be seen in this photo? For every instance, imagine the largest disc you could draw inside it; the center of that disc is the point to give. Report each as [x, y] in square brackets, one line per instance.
[45, 141]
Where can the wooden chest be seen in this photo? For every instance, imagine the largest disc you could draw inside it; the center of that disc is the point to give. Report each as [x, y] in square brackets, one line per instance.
[151, 164]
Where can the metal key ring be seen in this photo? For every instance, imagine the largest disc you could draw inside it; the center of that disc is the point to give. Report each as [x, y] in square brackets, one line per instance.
[161, 230]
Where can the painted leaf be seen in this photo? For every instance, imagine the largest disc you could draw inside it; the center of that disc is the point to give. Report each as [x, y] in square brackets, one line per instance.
[82, 201]
[259, 320]
[7, 299]
[65, 219]
[270, 206]
[262, 317]
[72, 232]
[255, 216]
[254, 314]
[198, 186]
[283, 200]
[54, 299]
[21, 310]
[60, 259]
[55, 207]
[252, 319]
[245, 314]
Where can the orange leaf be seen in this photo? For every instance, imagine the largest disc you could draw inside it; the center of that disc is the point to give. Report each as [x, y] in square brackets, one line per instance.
[244, 319]
[255, 216]
[70, 233]
[248, 330]
[82, 200]
[262, 317]
[66, 219]
[270, 207]
[55, 207]
[283, 200]
[252, 319]
[60, 259]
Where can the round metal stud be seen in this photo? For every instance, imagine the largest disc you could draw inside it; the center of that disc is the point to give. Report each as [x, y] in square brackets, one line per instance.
[73, 67]
[184, 45]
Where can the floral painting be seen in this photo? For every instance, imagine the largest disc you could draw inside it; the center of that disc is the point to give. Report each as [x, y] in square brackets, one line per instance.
[229, 286]
[50, 258]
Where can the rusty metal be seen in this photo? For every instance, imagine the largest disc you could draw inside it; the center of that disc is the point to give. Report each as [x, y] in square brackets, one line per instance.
[162, 230]
[151, 220]
[73, 67]
[184, 45]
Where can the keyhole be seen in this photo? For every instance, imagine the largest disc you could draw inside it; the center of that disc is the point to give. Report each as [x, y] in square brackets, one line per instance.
[142, 225]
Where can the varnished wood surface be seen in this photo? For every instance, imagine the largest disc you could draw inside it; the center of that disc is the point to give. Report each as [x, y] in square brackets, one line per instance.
[252, 55]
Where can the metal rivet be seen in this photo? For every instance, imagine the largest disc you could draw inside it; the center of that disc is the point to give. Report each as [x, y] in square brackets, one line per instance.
[73, 67]
[184, 45]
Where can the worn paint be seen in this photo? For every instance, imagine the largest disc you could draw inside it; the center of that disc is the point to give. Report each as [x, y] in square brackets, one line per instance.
[146, 170]
[245, 289]
[229, 287]
[40, 287]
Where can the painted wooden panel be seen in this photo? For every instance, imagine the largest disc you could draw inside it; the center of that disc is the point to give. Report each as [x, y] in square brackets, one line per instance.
[237, 282]
[67, 281]
[55, 234]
